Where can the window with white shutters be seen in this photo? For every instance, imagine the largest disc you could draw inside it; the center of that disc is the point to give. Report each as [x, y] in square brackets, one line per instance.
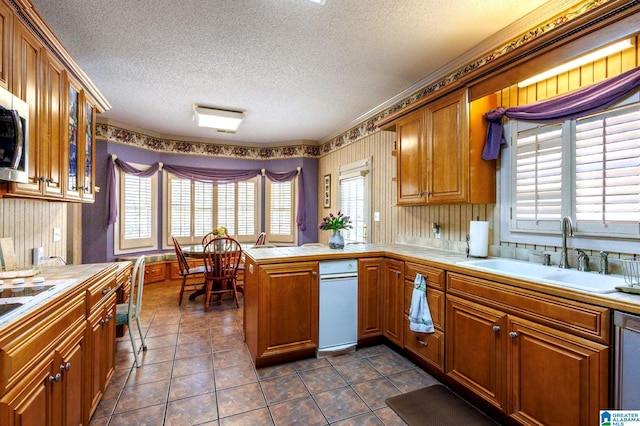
[136, 224]
[354, 199]
[194, 209]
[280, 212]
[537, 164]
[607, 177]
[588, 169]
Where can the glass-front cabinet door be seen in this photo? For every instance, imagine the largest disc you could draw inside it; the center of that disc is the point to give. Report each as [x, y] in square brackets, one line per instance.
[72, 189]
[88, 158]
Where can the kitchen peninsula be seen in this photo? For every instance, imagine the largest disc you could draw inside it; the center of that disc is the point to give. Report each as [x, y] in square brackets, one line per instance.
[518, 330]
[57, 355]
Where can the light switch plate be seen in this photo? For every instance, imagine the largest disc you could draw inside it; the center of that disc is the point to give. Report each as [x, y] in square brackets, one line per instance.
[56, 235]
[376, 216]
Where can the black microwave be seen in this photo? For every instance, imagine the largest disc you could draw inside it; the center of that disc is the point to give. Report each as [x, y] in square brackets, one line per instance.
[14, 130]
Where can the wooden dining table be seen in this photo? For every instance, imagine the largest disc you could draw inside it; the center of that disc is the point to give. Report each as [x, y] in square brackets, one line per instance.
[196, 251]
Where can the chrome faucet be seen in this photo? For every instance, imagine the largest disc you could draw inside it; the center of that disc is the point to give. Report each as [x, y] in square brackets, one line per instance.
[566, 221]
[583, 261]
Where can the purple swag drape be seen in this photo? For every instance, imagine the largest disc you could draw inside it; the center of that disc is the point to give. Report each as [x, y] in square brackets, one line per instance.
[572, 105]
[199, 174]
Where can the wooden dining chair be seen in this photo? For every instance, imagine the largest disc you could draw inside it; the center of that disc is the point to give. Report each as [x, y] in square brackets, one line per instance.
[186, 271]
[221, 259]
[262, 239]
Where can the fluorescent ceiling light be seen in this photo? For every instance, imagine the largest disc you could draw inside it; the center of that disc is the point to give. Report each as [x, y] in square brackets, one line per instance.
[582, 60]
[219, 119]
[320, 2]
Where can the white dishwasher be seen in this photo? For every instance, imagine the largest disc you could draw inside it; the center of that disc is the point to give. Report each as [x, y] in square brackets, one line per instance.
[338, 331]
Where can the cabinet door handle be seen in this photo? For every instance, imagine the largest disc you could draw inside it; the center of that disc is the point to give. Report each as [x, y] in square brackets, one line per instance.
[422, 342]
[398, 273]
[421, 193]
[513, 334]
[496, 328]
[65, 367]
[55, 378]
[314, 273]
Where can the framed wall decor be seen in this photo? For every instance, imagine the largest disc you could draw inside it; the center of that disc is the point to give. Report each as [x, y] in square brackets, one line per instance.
[327, 191]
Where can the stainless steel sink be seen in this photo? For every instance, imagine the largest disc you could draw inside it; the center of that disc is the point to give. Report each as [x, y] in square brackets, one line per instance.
[551, 275]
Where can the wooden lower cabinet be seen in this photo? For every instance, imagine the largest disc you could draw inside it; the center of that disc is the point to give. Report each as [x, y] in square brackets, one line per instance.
[393, 301]
[370, 278]
[281, 311]
[50, 393]
[101, 337]
[155, 272]
[532, 373]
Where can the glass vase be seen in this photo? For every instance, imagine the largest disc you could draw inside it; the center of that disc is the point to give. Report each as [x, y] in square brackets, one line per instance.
[336, 240]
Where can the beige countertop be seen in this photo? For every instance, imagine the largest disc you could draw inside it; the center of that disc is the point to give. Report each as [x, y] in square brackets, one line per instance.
[66, 278]
[440, 258]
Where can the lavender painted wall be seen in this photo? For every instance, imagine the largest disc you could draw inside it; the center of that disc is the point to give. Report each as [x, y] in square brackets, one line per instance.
[97, 239]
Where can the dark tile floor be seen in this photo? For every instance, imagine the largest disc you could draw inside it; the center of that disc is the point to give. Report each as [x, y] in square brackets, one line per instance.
[197, 371]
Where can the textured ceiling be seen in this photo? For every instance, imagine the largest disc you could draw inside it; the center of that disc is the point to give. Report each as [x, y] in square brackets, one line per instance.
[301, 71]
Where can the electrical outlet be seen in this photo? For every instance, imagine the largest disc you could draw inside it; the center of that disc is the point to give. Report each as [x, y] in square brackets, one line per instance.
[38, 254]
[56, 235]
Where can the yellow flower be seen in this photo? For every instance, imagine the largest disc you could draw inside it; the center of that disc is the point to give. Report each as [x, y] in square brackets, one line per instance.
[220, 231]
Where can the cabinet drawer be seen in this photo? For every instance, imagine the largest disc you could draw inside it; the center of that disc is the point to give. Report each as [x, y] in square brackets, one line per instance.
[155, 272]
[434, 276]
[427, 346]
[592, 322]
[435, 300]
[100, 290]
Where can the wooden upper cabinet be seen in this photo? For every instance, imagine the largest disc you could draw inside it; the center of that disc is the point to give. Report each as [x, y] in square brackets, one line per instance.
[88, 152]
[6, 17]
[448, 150]
[438, 149]
[52, 137]
[411, 160]
[61, 139]
[27, 85]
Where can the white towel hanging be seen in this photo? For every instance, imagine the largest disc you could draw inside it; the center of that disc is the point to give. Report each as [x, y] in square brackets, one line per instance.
[419, 315]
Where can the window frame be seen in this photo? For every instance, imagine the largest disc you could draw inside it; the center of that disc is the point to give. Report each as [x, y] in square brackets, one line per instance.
[361, 168]
[196, 239]
[281, 239]
[146, 244]
[583, 238]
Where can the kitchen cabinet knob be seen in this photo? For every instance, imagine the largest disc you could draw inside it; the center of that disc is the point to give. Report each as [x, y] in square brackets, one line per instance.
[106, 290]
[314, 273]
[422, 342]
[496, 328]
[429, 193]
[513, 334]
[398, 273]
[55, 378]
[421, 193]
[65, 367]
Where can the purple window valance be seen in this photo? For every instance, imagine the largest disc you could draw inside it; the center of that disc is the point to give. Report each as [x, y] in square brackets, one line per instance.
[199, 174]
[578, 103]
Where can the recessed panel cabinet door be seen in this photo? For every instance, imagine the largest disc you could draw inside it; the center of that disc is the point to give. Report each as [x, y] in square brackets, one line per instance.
[6, 17]
[30, 402]
[53, 146]
[370, 276]
[27, 82]
[289, 296]
[393, 301]
[448, 150]
[410, 132]
[475, 355]
[554, 375]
